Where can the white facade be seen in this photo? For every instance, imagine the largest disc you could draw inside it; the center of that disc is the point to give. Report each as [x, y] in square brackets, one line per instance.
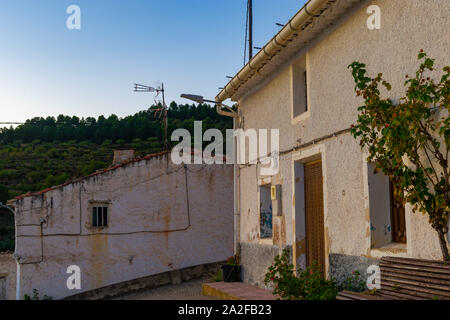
[161, 217]
[273, 100]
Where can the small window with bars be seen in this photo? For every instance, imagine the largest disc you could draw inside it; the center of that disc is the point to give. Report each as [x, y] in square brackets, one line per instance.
[100, 216]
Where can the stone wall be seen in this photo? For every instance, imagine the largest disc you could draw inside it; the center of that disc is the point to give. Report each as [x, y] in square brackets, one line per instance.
[342, 266]
[255, 261]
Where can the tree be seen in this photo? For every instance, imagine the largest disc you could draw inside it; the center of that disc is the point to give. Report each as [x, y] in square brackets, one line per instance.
[4, 194]
[408, 141]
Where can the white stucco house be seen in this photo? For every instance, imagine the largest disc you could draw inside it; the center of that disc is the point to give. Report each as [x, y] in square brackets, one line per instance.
[334, 209]
[138, 218]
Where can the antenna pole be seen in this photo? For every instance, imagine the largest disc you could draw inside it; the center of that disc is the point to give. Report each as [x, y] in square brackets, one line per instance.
[166, 118]
[250, 29]
[164, 110]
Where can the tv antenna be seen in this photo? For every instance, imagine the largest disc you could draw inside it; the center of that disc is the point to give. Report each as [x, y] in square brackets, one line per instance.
[160, 113]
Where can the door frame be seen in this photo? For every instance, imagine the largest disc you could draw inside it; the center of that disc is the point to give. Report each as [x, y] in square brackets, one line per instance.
[312, 153]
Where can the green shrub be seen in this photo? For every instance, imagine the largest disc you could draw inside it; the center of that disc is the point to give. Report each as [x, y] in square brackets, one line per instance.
[93, 166]
[309, 284]
[155, 145]
[107, 142]
[54, 153]
[35, 296]
[7, 244]
[218, 277]
[8, 173]
[354, 283]
[120, 141]
[4, 193]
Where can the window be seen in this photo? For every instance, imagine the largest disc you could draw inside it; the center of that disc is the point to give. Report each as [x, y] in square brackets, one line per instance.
[100, 216]
[387, 215]
[265, 210]
[299, 88]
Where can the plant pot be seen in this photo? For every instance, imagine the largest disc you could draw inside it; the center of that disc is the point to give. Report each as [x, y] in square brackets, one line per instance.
[231, 273]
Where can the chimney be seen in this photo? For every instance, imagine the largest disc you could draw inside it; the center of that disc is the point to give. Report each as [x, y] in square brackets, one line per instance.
[123, 156]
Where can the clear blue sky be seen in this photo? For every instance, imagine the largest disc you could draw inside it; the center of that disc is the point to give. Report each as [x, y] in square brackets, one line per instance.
[190, 45]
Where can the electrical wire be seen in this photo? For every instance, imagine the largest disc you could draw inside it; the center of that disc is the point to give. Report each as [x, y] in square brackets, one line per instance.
[42, 235]
[125, 233]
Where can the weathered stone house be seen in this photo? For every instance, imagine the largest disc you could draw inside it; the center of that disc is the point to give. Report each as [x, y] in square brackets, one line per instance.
[138, 218]
[333, 208]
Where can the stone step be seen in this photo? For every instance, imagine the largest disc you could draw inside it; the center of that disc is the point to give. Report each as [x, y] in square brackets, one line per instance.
[236, 291]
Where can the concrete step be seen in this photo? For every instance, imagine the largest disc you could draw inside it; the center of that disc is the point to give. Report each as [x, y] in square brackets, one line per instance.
[236, 291]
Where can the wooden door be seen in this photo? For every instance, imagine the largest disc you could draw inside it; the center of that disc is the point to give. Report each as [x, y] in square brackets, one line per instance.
[315, 242]
[398, 223]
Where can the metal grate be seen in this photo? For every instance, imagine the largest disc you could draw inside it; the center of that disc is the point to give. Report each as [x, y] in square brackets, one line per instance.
[100, 217]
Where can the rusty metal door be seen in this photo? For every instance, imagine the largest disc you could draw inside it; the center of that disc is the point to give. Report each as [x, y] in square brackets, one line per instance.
[315, 242]
[398, 219]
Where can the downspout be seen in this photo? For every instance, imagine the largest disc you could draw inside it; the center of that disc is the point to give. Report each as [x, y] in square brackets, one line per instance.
[221, 112]
[271, 48]
[18, 281]
[236, 213]
[236, 186]
[15, 257]
[8, 206]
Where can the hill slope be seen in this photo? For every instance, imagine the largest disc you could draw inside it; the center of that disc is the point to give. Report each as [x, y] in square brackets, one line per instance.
[48, 152]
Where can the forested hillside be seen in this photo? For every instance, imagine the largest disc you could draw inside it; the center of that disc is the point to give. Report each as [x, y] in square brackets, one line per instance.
[47, 152]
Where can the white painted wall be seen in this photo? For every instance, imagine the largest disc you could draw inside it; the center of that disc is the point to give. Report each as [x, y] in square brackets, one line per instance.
[150, 229]
[392, 50]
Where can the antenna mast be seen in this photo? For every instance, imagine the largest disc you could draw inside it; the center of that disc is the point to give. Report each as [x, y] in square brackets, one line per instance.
[161, 112]
[250, 29]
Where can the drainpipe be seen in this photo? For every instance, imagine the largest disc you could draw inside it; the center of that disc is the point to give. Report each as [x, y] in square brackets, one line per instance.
[272, 47]
[6, 206]
[221, 112]
[236, 186]
[18, 281]
[236, 213]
